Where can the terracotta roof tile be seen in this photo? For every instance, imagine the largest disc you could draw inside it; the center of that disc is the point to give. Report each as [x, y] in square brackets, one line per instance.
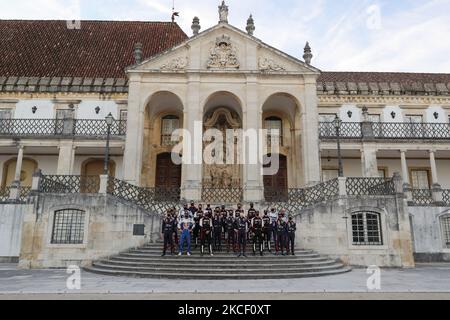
[379, 77]
[99, 49]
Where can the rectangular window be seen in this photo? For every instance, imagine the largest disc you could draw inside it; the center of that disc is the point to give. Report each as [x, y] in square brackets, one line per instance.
[366, 229]
[6, 124]
[375, 118]
[420, 178]
[382, 173]
[123, 115]
[5, 114]
[168, 126]
[327, 117]
[329, 174]
[274, 126]
[445, 225]
[68, 227]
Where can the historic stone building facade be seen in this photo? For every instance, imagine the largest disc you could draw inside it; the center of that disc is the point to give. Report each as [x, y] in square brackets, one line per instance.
[58, 84]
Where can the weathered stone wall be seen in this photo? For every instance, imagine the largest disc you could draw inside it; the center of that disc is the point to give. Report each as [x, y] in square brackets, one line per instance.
[429, 245]
[327, 228]
[108, 230]
[11, 217]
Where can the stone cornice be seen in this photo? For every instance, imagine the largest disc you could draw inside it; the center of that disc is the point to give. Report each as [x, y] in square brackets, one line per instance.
[394, 100]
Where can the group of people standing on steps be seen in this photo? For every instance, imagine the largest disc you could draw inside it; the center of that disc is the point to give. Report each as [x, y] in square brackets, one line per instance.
[228, 229]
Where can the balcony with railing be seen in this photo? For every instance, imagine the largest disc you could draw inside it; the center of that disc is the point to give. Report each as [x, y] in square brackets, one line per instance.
[61, 128]
[385, 131]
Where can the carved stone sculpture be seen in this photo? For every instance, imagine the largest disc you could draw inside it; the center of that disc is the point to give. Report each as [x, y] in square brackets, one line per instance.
[223, 54]
[269, 65]
[176, 64]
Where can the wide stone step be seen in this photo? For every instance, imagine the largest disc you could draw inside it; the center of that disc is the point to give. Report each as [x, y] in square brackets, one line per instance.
[209, 270]
[216, 276]
[238, 264]
[219, 253]
[220, 257]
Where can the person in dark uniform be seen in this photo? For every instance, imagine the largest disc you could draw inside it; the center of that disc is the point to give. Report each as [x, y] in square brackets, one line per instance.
[267, 229]
[167, 232]
[208, 209]
[196, 230]
[224, 216]
[193, 209]
[217, 230]
[174, 218]
[231, 240]
[206, 233]
[257, 227]
[250, 215]
[281, 232]
[241, 228]
[291, 228]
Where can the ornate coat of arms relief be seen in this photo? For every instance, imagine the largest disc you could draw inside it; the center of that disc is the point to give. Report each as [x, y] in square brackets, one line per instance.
[223, 55]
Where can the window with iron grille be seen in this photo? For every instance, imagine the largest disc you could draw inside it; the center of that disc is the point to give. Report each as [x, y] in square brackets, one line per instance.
[168, 126]
[366, 228]
[274, 126]
[68, 227]
[445, 226]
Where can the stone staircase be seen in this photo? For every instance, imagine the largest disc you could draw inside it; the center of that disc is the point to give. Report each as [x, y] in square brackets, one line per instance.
[146, 262]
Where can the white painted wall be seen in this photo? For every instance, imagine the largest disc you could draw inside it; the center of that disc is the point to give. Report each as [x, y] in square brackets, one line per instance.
[387, 117]
[86, 109]
[356, 113]
[45, 109]
[429, 115]
[11, 218]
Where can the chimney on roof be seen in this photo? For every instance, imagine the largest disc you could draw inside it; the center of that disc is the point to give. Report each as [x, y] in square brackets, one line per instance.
[138, 53]
[307, 56]
[250, 25]
[195, 26]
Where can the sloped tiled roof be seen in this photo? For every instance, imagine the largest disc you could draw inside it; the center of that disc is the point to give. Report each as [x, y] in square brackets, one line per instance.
[103, 49]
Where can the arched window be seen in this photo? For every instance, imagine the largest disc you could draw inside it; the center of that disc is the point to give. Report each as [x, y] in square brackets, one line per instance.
[68, 227]
[445, 227]
[168, 125]
[274, 125]
[366, 229]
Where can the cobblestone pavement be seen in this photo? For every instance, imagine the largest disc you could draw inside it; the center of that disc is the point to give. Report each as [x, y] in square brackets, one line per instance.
[433, 279]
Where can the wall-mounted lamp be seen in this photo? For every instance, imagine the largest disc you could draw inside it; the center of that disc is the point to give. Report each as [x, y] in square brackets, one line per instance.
[34, 109]
[436, 115]
[97, 110]
[350, 114]
[393, 115]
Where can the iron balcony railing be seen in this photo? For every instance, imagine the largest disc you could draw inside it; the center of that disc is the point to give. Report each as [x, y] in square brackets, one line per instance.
[61, 128]
[5, 192]
[385, 130]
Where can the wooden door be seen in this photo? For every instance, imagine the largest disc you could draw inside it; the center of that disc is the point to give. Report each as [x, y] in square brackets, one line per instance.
[276, 186]
[168, 174]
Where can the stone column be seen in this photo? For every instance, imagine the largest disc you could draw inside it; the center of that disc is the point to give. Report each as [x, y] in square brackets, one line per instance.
[370, 162]
[436, 188]
[132, 159]
[310, 137]
[253, 179]
[405, 175]
[434, 174]
[191, 185]
[19, 164]
[66, 158]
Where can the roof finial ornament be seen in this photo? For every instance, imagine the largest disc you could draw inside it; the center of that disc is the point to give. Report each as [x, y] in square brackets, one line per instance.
[138, 53]
[223, 13]
[307, 56]
[195, 26]
[250, 25]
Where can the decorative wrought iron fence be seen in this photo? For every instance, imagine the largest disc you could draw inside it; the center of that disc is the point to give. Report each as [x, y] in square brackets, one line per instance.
[69, 184]
[446, 196]
[348, 130]
[60, 127]
[222, 195]
[422, 197]
[99, 128]
[24, 193]
[156, 200]
[294, 200]
[4, 194]
[386, 130]
[369, 186]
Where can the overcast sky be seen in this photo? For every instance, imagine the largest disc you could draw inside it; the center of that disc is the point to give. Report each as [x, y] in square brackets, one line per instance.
[345, 35]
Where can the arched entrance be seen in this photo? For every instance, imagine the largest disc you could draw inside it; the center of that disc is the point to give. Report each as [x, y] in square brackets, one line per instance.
[168, 174]
[276, 185]
[95, 167]
[29, 166]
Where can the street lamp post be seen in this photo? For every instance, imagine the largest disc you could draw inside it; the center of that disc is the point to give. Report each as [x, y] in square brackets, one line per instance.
[337, 125]
[109, 121]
